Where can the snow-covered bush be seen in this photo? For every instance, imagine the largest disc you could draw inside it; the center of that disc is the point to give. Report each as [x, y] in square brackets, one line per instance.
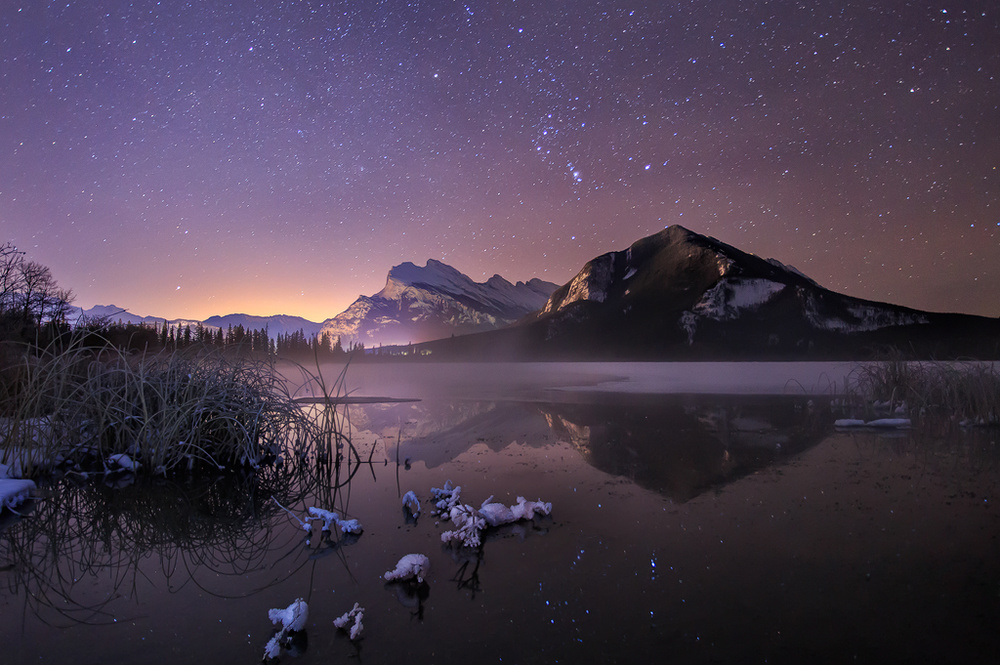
[329, 519]
[470, 522]
[354, 615]
[446, 498]
[292, 619]
[411, 503]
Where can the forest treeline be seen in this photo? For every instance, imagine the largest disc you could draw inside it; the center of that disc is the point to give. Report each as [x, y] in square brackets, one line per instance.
[35, 311]
[237, 339]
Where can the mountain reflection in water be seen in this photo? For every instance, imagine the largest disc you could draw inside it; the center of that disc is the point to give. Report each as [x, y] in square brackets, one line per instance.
[675, 445]
[707, 528]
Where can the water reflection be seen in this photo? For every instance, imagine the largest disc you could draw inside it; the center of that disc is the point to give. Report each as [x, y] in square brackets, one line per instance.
[679, 446]
[861, 535]
[676, 445]
[86, 534]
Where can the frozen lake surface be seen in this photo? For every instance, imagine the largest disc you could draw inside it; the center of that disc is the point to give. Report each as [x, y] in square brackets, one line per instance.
[685, 525]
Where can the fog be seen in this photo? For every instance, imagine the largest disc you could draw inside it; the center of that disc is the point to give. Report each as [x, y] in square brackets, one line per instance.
[529, 381]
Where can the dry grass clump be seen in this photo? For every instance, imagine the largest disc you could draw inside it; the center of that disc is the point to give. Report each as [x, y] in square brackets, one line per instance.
[161, 411]
[966, 392]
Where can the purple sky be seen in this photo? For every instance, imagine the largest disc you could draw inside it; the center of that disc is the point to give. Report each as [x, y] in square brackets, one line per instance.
[191, 159]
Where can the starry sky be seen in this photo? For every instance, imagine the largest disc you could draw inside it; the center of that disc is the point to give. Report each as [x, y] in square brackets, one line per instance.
[185, 159]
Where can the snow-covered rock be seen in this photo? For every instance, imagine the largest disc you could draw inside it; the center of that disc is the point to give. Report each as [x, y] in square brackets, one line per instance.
[14, 491]
[496, 514]
[849, 422]
[121, 461]
[411, 566]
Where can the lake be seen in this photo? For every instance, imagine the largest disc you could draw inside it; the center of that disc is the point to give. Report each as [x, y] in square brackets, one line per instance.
[701, 512]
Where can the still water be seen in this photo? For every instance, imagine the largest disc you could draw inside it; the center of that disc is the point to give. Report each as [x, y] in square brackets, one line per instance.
[686, 527]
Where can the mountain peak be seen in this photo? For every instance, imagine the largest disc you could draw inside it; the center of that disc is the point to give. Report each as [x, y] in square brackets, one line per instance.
[435, 275]
[419, 303]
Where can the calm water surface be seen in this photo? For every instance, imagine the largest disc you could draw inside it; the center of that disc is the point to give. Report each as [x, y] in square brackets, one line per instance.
[685, 528]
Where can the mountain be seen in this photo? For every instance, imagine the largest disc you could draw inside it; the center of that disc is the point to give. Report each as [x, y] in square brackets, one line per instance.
[279, 324]
[434, 301]
[681, 295]
[115, 314]
[275, 325]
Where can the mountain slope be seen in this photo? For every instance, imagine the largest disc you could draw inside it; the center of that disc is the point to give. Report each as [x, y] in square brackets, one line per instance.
[678, 294]
[424, 303]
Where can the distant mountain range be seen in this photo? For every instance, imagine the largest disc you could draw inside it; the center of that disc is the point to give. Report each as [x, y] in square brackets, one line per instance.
[417, 304]
[681, 295]
[115, 313]
[673, 295]
[275, 325]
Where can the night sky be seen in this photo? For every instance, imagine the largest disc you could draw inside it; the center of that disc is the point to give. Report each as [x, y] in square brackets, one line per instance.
[185, 159]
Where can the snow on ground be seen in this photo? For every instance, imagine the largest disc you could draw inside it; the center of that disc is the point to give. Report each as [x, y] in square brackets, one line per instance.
[880, 423]
[14, 491]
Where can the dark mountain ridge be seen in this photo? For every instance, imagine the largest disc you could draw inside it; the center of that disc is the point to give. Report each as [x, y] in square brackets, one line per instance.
[680, 295]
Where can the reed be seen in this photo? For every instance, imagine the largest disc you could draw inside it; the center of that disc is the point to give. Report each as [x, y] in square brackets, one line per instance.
[71, 403]
[193, 529]
[963, 392]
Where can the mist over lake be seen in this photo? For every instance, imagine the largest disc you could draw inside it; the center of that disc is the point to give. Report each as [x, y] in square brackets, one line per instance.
[518, 380]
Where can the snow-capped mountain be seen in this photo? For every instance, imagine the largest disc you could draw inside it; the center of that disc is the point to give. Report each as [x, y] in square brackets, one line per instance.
[703, 280]
[678, 294]
[275, 325]
[432, 302]
[116, 314]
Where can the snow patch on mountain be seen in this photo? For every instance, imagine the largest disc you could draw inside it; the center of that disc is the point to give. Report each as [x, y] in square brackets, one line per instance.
[728, 299]
[861, 317]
